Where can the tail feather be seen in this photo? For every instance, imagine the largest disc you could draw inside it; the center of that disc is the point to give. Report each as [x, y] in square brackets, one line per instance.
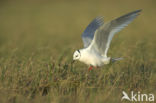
[116, 59]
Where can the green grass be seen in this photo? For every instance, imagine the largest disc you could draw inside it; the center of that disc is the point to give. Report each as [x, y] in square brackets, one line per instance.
[37, 40]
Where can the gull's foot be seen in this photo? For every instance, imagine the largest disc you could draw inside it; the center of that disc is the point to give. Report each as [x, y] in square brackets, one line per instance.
[90, 68]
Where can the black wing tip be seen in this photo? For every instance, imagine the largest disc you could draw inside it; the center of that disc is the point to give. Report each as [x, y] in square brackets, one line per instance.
[139, 10]
[136, 12]
[133, 13]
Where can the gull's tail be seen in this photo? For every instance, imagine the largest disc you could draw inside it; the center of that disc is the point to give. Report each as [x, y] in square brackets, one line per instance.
[116, 59]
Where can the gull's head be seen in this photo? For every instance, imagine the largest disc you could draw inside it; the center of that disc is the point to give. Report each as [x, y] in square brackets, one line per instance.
[76, 55]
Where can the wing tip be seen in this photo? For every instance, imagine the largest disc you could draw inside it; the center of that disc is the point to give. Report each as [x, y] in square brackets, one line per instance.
[137, 11]
[99, 20]
[132, 14]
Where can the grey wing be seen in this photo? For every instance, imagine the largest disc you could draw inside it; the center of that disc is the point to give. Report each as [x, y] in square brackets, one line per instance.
[88, 34]
[105, 33]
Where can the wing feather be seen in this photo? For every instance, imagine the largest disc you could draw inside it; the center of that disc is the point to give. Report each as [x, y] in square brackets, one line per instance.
[104, 34]
[88, 34]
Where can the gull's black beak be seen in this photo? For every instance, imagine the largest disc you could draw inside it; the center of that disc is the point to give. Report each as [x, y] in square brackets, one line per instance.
[73, 61]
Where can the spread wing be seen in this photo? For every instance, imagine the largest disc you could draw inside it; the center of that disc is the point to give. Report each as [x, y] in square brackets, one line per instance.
[88, 34]
[104, 34]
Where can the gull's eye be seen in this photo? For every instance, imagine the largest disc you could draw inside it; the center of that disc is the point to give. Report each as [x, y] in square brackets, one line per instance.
[76, 55]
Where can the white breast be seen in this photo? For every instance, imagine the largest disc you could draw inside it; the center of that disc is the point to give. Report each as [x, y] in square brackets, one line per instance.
[91, 58]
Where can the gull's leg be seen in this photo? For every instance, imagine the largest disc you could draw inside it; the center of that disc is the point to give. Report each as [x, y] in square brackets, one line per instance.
[90, 68]
[96, 67]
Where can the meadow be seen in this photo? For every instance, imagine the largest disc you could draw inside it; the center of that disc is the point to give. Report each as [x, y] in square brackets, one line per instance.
[37, 41]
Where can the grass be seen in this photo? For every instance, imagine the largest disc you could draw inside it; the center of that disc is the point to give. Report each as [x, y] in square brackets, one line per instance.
[37, 40]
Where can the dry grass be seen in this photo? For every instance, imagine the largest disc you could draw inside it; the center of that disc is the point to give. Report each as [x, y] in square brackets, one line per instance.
[37, 40]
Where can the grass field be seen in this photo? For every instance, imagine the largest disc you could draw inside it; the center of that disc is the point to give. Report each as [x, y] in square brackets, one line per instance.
[37, 41]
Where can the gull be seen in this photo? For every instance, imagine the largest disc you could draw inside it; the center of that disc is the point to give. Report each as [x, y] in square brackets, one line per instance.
[97, 38]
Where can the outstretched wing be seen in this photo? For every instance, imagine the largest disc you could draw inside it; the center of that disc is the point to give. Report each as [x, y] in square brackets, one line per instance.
[105, 33]
[88, 34]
